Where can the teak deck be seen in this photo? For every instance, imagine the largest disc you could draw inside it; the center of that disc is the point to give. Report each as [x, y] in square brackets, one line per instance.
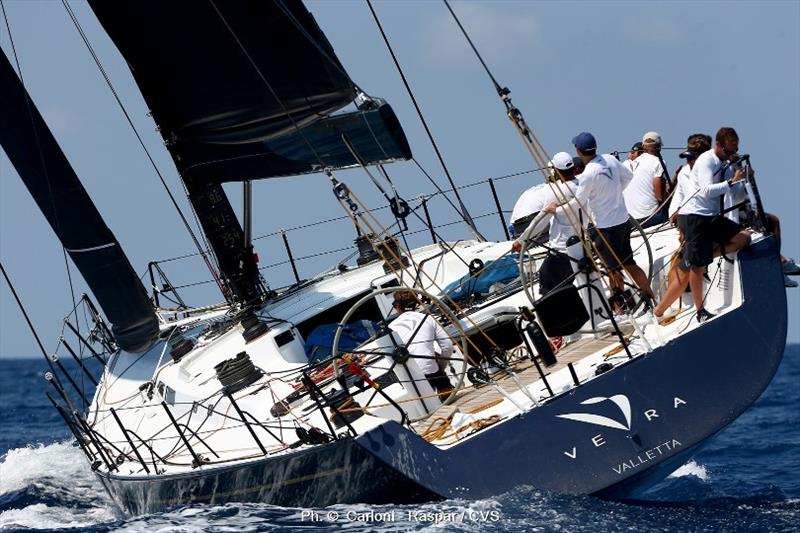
[474, 400]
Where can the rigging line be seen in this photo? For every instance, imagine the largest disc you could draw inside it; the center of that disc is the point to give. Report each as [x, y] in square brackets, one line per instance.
[503, 93]
[464, 213]
[402, 268]
[485, 67]
[28, 320]
[539, 156]
[71, 288]
[286, 11]
[439, 189]
[183, 218]
[411, 211]
[41, 155]
[266, 83]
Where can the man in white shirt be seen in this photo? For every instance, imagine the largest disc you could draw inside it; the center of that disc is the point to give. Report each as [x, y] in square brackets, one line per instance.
[418, 332]
[529, 204]
[600, 192]
[696, 144]
[700, 219]
[556, 267]
[647, 190]
[636, 151]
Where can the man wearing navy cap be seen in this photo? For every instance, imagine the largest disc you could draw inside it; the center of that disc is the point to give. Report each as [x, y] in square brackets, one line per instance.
[600, 192]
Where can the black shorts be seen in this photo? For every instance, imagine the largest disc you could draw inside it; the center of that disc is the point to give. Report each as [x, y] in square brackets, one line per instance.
[701, 233]
[555, 269]
[618, 238]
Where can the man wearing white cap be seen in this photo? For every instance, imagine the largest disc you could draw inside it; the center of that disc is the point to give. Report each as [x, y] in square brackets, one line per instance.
[535, 199]
[646, 191]
[600, 192]
[556, 268]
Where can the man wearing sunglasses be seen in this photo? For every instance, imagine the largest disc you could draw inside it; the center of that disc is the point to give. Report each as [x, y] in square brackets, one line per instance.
[700, 218]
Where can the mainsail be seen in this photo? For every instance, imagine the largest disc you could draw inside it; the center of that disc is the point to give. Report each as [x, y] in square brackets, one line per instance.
[241, 91]
[51, 180]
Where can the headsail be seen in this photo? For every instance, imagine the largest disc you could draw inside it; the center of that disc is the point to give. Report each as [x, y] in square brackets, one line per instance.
[58, 192]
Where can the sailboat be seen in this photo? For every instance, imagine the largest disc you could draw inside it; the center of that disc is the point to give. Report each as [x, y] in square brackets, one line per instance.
[305, 395]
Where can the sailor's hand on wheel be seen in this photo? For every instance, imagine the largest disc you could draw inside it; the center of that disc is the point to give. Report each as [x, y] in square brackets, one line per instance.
[551, 208]
[737, 176]
[516, 246]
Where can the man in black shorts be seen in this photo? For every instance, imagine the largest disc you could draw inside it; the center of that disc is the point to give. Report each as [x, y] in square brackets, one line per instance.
[700, 218]
[599, 190]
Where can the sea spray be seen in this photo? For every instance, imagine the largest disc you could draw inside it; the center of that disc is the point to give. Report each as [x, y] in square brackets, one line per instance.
[50, 486]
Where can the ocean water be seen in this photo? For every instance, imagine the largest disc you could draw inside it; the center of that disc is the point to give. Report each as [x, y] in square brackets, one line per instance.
[746, 479]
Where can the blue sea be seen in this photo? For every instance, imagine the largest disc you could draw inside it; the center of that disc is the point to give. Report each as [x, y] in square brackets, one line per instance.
[746, 479]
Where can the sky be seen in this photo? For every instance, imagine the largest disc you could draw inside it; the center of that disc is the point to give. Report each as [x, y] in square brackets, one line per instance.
[617, 69]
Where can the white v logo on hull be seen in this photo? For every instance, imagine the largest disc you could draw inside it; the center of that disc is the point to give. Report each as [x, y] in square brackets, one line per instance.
[619, 400]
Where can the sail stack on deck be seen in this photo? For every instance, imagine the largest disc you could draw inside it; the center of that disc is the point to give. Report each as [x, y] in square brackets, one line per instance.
[245, 91]
[53, 184]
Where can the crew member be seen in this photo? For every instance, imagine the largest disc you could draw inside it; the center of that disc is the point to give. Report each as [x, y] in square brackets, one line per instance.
[647, 190]
[419, 332]
[700, 220]
[696, 144]
[636, 151]
[530, 203]
[556, 268]
[600, 191]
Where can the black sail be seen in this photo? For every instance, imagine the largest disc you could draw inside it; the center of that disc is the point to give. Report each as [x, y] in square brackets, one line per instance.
[244, 90]
[234, 87]
[51, 180]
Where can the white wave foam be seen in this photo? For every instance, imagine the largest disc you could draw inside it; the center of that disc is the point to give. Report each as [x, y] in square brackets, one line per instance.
[691, 469]
[41, 516]
[59, 464]
[60, 471]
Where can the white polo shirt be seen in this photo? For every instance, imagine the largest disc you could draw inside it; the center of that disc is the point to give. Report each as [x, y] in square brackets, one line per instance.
[640, 195]
[600, 191]
[680, 196]
[532, 201]
[631, 164]
[407, 324]
[562, 227]
[706, 185]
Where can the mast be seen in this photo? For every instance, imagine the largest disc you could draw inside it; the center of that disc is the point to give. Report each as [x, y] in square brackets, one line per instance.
[57, 190]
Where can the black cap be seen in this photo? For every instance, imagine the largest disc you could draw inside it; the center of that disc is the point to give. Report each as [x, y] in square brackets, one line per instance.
[691, 153]
[637, 147]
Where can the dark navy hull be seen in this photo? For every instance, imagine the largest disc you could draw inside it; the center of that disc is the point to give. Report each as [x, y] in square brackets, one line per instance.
[679, 395]
[675, 398]
[339, 472]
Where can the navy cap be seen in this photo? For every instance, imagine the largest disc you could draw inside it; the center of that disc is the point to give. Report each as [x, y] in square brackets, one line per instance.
[585, 142]
[691, 154]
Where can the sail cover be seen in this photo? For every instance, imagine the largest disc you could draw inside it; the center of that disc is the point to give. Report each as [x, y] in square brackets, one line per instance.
[246, 89]
[58, 192]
